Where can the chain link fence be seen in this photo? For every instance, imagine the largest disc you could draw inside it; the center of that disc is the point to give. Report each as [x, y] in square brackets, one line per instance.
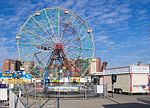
[34, 96]
[8, 99]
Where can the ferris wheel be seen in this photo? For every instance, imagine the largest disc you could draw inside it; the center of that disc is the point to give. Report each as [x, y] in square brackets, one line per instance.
[56, 38]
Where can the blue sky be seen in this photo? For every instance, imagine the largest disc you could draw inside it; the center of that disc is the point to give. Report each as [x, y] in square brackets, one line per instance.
[121, 28]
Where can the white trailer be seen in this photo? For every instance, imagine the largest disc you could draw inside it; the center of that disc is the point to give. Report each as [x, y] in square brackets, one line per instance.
[130, 79]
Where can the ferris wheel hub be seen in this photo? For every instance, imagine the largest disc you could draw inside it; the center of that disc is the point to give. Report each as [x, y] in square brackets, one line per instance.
[59, 46]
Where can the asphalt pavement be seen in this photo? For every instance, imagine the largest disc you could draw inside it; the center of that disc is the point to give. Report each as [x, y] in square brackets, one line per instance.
[118, 101]
[144, 99]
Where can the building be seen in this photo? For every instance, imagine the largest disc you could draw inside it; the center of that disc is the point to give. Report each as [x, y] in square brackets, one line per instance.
[9, 65]
[28, 66]
[129, 79]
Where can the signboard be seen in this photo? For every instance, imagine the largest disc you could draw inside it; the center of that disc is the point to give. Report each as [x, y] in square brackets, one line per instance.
[63, 89]
[99, 88]
[83, 80]
[65, 79]
[140, 69]
[119, 70]
[3, 94]
[93, 65]
[127, 69]
[2, 85]
[76, 79]
[10, 75]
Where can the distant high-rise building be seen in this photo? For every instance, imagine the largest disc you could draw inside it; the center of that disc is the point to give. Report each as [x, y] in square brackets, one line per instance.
[18, 65]
[9, 65]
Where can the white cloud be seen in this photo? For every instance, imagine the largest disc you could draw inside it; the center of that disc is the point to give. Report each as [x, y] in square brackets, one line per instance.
[67, 4]
[105, 41]
[126, 45]
[8, 49]
[109, 15]
[100, 15]
[101, 37]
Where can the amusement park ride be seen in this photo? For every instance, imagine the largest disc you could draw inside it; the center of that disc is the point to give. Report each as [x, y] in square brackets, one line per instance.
[59, 41]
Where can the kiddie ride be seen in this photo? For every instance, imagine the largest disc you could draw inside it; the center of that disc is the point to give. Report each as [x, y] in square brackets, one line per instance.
[59, 41]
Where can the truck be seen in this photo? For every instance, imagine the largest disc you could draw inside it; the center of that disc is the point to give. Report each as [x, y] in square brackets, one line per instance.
[129, 79]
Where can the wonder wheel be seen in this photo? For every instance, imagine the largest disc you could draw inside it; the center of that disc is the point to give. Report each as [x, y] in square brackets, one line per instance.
[58, 41]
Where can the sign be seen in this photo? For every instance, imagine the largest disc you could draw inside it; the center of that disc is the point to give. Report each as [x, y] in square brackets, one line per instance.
[127, 69]
[76, 79]
[140, 85]
[140, 69]
[3, 94]
[2, 85]
[63, 89]
[113, 78]
[99, 88]
[10, 75]
[119, 70]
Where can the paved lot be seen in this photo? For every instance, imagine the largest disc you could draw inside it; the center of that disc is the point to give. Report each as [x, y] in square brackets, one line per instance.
[144, 99]
[119, 101]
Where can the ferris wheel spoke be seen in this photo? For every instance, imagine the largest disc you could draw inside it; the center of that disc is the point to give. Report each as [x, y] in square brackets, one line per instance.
[42, 28]
[86, 36]
[30, 44]
[46, 56]
[71, 18]
[78, 25]
[26, 50]
[75, 39]
[35, 35]
[30, 51]
[29, 55]
[78, 48]
[71, 40]
[49, 22]
[76, 55]
[73, 23]
[38, 60]
[58, 21]
[81, 30]
[42, 47]
[65, 28]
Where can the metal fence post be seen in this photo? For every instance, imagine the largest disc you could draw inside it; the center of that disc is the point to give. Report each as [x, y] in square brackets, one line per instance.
[27, 96]
[105, 91]
[58, 102]
[85, 93]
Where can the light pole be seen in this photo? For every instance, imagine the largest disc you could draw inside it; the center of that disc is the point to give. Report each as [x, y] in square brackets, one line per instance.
[58, 97]
[27, 94]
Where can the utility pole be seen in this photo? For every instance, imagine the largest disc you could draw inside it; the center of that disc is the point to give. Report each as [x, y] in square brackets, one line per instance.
[113, 80]
[58, 97]
[112, 89]
[27, 103]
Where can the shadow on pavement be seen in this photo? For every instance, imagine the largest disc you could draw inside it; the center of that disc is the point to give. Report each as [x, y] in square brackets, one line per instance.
[144, 99]
[127, 105]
